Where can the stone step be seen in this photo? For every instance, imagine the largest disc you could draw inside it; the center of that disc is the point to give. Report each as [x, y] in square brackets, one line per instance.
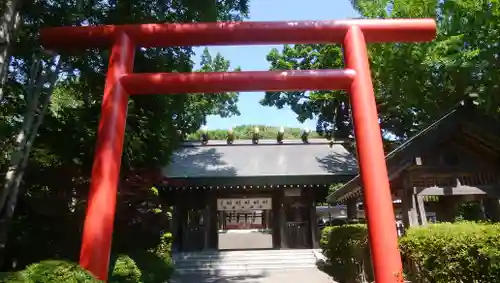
[244, 257]
[244, 261]
[247, 252]
[243, 270]
[240, 254]
[220, 264]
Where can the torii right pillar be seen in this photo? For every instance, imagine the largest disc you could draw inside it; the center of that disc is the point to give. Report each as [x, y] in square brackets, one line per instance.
[373, 171]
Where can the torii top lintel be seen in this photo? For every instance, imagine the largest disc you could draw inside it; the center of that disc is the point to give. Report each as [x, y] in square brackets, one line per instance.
[238, 33]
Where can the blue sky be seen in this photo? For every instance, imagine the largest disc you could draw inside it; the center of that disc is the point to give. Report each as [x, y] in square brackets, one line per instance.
[253, 58]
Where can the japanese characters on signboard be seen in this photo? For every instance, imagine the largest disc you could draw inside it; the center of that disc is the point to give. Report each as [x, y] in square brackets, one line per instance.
[230, 204]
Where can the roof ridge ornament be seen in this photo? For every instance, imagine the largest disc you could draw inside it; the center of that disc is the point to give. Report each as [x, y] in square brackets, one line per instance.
[281, 135]
[204, 135]
[305, 135]
[256, 135]
[230, 136]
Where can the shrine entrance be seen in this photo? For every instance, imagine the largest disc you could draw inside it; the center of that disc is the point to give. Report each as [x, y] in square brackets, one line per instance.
[245, 223]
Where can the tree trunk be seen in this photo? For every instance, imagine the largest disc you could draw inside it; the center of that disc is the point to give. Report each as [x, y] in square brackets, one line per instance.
[10, 22]
[33, 91]
[25, 140]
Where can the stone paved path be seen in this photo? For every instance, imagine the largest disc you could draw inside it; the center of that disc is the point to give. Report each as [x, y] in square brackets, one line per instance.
[310, 275]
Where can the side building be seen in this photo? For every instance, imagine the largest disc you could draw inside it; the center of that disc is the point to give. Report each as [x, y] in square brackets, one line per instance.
[454, 160]
[251, 195]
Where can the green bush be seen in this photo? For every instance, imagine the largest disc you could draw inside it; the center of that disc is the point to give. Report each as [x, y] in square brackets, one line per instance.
[164, 248]
[452, 252]
[346, 248]
[153, 266]
[437, 253]
[141, 267]
[125, 271]
[51, 271]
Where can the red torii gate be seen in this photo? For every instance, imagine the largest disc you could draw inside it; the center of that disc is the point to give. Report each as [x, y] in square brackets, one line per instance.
[356, 78]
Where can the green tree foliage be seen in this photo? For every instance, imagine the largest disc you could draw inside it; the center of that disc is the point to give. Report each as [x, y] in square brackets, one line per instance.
[199, 106]
[331, 108]
[414, 82]
[52, 196]
[245, 132]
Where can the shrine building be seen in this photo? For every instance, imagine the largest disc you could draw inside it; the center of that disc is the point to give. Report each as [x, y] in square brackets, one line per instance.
[251, 194]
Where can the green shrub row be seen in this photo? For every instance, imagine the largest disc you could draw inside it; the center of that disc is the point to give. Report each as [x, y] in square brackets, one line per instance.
[453, 252]
[153, 266]
[437, 253]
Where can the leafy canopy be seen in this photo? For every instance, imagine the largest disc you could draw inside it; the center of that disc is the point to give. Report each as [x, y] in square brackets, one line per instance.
[414, 82]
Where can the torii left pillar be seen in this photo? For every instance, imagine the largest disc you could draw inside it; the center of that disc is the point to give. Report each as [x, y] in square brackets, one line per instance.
[95, 248]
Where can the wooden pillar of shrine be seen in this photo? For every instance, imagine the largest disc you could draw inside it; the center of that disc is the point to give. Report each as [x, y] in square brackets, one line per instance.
[212, 225]
[313, 220]
[447, 208]
[352, 210]
[277, 203]
[492, 208]
[174, 227]
[409, 208]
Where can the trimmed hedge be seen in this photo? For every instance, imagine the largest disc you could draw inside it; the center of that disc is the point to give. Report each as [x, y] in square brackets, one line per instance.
[452, 252]
[437, 253]
[346, 248]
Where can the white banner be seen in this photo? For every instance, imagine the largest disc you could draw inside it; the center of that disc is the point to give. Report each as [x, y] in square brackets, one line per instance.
[244, 204]
[293, 192]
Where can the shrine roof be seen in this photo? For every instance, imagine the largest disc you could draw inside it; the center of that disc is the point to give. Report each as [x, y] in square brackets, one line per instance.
[293, 158]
